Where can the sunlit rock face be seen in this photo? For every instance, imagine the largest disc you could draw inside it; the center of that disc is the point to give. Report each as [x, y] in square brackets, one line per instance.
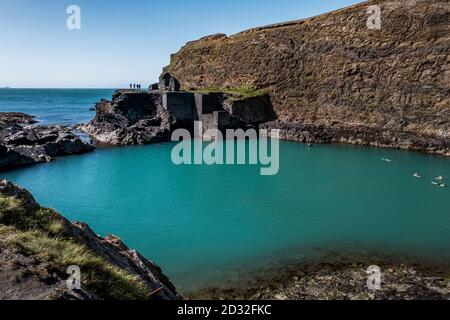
[332, 78]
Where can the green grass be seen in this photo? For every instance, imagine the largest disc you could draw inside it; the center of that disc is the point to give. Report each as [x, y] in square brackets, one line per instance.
[13, 213]
[242, 92]
[43, 233]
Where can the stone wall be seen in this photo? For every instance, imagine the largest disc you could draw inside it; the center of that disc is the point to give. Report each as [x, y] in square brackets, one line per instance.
[208, 103]
[181, 105]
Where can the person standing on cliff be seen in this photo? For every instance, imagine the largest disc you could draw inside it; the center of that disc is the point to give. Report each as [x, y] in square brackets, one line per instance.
[131, 86]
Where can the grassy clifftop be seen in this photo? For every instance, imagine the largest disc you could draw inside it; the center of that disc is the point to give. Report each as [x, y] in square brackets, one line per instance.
[37, 245]
[43, 233]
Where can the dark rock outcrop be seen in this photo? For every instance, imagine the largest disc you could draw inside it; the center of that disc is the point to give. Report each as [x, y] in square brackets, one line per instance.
[150, 117]
[25, 145]
[250, 111]
[153, 87]
[331, 74]
[11, 118]
[25, 276]
[130, 118]
[168, 83]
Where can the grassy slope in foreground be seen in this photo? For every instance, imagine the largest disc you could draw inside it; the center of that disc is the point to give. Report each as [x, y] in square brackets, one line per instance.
[47, 244]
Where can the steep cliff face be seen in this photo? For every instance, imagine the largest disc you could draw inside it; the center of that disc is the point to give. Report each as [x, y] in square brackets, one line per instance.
[333, 78]
[131, 117]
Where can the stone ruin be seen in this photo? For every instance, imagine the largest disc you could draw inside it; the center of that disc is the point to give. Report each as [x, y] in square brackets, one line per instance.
[168, 83]
[150, 117]
[216, 110]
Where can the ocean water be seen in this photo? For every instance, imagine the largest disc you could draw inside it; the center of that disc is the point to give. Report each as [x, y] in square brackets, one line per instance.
[205, 225]
[54, 106]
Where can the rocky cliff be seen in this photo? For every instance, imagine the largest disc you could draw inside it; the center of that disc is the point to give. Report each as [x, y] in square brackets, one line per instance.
[135, 117]
[333, 79]
[131, 117]
[37, 245]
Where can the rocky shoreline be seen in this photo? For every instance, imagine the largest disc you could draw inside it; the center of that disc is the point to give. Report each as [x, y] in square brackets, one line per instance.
[335, 276]
[134, 117]
[360, 135]
[22, 143]
[139, 118]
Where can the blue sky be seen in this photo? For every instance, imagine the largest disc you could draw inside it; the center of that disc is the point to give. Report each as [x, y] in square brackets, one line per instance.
[122, 41]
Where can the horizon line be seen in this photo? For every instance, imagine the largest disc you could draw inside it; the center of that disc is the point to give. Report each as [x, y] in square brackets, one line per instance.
[63, 88]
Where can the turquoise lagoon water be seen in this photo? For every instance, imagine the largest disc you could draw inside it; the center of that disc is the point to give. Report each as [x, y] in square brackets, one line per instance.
[205, 224]
[54, 106]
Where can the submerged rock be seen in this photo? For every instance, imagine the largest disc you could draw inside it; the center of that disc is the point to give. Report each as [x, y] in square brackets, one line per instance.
[34, 272]
[25, 145]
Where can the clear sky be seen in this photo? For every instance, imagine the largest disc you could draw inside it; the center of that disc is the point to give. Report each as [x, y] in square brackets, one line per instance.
[122, 41]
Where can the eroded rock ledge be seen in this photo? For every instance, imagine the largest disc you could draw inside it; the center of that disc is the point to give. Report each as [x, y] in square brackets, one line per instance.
[22, 144]
[30, 269]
